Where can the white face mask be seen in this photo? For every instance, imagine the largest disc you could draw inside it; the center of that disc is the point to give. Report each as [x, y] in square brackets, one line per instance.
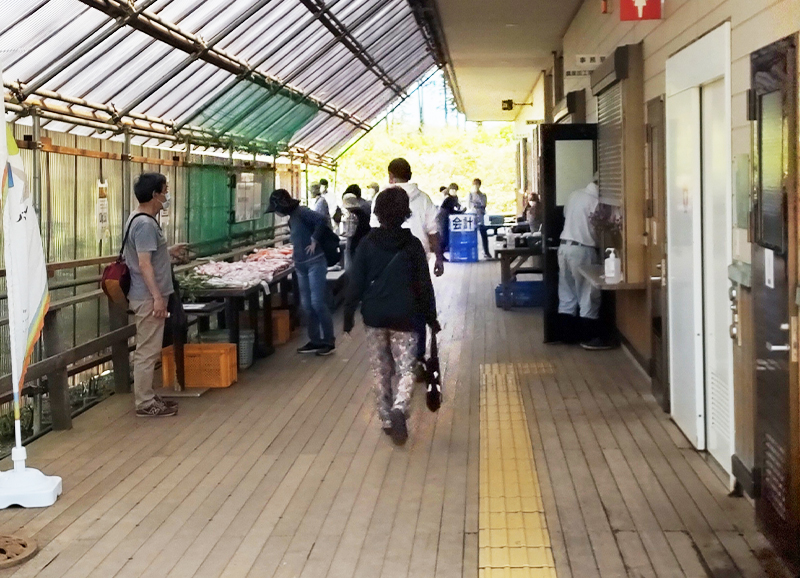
[475, 188]
[167, 202]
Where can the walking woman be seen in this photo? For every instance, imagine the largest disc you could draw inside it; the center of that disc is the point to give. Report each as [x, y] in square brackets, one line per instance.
[391, 280]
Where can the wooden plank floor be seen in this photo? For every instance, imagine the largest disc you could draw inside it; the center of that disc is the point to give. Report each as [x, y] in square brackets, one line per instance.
[287, 473]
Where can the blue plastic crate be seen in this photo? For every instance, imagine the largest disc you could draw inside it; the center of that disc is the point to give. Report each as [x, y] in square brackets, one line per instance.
[463, 247]
[464, 253]
[523, 294]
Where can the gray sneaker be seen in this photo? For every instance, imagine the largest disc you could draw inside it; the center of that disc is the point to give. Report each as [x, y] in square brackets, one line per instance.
[157, 409]
[167, 402]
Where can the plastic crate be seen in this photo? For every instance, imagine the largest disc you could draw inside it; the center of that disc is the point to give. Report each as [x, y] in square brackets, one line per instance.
[463, 253]
[523, 294]
[463, 247]
[205, 365]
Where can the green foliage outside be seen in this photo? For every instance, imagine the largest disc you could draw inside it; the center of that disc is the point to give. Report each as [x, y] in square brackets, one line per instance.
[439, 155]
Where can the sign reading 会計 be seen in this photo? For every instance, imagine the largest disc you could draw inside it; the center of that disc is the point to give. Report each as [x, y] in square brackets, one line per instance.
[636, 10]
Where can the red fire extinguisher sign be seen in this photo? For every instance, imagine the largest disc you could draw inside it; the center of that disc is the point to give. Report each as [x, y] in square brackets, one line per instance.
[640, 10]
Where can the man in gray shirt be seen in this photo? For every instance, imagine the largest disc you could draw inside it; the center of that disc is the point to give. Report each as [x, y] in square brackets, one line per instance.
[148, 258]
[476, 203]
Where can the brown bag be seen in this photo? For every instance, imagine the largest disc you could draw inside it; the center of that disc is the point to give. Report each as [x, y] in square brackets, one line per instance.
[116, 279]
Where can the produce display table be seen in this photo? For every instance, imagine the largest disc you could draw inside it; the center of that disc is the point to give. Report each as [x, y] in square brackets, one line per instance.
[234, 299]
[512, 263]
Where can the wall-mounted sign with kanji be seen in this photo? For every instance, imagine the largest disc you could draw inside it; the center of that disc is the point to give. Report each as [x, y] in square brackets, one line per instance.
[588, 61]
[636, 10]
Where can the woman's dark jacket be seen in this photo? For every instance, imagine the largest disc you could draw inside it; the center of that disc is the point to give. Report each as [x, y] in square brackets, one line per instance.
[362, 229]
[391, 280]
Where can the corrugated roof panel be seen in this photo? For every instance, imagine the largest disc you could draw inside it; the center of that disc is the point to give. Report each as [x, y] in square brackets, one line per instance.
[118, 70]
[352, 59]
[184, 91]
[241, 113]
[41, 45]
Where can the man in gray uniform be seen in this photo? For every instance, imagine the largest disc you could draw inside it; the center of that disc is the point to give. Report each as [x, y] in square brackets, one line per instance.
[579, 247]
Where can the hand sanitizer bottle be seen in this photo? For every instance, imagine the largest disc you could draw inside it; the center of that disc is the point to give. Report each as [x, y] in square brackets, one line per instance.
[613, 267]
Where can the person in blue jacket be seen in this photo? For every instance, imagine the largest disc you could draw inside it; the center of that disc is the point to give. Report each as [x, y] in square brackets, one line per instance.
[306, 228]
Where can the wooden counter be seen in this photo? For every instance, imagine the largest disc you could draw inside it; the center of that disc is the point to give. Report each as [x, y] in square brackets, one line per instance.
[596, 276]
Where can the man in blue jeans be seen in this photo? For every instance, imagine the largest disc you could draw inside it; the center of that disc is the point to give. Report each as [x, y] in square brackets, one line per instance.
[311, 268]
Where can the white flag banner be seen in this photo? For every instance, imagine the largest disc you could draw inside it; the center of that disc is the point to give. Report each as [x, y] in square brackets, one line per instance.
[26, 274]
[28, 301]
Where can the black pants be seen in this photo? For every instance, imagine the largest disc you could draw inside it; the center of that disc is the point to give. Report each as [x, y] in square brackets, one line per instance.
[484, 239]
[421, 329]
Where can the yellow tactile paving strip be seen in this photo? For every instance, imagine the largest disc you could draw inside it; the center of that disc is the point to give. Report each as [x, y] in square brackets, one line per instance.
[513, 540]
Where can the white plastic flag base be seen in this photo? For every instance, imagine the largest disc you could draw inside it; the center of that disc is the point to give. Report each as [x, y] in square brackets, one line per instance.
[27, 487]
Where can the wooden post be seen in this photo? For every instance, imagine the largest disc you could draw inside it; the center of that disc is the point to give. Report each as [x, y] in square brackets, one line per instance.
[120, 356]
[58, 379]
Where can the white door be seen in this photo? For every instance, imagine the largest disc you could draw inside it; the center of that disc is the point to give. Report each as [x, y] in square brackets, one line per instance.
[685, 264]
[716, 257]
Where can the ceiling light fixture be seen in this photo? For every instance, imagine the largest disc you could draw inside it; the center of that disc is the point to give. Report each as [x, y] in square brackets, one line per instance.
[510, 104]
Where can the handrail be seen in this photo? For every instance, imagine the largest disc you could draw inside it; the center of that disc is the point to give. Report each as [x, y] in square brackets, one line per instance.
[74, 264]
[78, 263]
[89, 296]
[61, 360]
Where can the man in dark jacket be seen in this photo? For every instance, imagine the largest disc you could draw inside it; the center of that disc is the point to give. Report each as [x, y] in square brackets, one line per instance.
[311, 268]
[391, 280]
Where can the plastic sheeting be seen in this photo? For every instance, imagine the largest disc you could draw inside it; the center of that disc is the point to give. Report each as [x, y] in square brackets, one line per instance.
[302, 75]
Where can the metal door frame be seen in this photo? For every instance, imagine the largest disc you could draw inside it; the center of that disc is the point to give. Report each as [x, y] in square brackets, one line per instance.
[656, 211]
[785, 535]
[549, 134]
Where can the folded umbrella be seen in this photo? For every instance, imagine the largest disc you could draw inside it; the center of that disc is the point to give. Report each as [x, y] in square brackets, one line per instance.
[433, 376]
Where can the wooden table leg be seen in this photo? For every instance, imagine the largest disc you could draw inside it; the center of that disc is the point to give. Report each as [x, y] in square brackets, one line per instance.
[294, 310]
[252, 316]
[178, 340]
[232, 319]
[120, 354]
[58, 380]
[505, 281]
[269, 343]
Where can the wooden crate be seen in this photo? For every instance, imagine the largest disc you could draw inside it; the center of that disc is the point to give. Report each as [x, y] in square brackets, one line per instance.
[205, 365]
[281, 326]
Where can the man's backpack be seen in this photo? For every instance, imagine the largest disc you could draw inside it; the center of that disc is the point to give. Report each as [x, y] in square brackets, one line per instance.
[116, 279]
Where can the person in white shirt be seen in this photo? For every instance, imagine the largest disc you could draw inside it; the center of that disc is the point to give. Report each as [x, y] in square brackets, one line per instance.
[579, 247]
[424, 226]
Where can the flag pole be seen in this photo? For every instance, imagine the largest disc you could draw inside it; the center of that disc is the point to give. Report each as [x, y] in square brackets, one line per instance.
[28, 302]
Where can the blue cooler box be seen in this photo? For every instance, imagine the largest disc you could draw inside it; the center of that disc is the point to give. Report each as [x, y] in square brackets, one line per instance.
[523, 294]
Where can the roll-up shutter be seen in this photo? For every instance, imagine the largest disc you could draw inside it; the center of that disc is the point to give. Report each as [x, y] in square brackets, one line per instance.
[609, 145]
